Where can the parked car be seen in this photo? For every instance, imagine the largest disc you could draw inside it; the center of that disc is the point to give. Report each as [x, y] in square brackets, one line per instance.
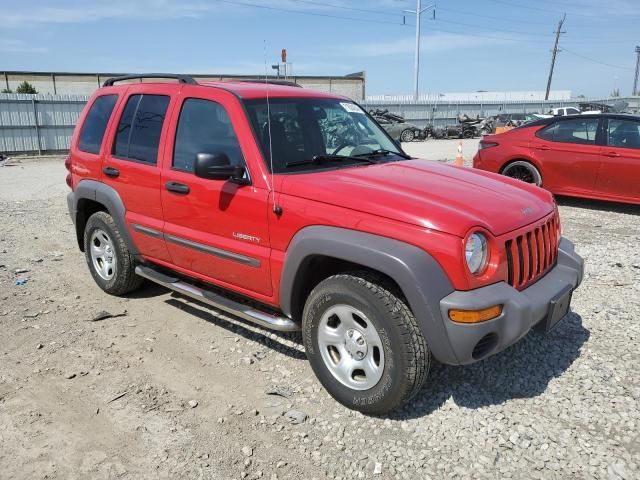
[397, 127]
[562, 111]
[247, 198]
[594, 156]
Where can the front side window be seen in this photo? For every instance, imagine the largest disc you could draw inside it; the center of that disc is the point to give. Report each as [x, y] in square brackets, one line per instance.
[304, 129]
[623, 133]
[204, 127]
[95, 124]
[578, 131]
[140, 126]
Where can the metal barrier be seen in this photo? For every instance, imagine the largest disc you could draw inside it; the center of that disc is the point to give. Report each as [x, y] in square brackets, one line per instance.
[38, 123]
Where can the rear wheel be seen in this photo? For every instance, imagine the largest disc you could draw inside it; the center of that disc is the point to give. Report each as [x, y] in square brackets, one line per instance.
[111, 264]
[363, 342]
[407, 135]
[524, 171]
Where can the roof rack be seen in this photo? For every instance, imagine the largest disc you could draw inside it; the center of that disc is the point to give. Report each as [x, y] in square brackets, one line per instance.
[284, 83]
[180, 78]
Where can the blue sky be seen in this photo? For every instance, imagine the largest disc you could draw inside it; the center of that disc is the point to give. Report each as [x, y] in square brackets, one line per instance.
[472, 44]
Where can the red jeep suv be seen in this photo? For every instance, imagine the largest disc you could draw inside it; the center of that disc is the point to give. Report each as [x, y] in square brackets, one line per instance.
[594, 156]
[294, 210]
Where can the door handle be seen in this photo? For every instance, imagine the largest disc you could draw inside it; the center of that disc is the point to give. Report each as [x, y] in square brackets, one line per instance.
[111, 172]
[612, 154]
[543, 147]
[177, 187]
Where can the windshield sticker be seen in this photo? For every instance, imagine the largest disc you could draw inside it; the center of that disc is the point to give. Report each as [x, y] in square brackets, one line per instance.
[351, 107]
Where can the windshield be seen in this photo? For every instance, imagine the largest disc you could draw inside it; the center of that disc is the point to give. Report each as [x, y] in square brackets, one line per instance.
[308, 129]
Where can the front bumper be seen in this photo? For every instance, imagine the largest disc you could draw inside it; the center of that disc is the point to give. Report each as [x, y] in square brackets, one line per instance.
[522, 310]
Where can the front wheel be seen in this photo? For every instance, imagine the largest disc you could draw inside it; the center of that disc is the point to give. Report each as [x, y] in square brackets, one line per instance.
[524, 171]
[364, 343]
[407, 135]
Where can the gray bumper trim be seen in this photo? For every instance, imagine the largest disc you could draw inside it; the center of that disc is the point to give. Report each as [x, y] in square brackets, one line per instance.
[522, 309]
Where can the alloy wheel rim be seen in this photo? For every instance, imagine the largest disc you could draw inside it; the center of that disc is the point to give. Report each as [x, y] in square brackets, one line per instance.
[522, 173]
[350, 347]
[103, 255]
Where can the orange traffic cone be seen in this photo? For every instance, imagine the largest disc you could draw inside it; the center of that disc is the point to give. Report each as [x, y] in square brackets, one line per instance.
[459, 157]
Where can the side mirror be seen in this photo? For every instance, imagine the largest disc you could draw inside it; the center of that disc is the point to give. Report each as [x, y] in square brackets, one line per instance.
[217, 166]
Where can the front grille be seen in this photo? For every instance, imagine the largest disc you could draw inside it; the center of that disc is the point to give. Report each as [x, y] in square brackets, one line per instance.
[532, 254]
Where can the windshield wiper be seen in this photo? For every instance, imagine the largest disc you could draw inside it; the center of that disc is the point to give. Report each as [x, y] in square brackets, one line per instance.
[382, 151]
[329, 158]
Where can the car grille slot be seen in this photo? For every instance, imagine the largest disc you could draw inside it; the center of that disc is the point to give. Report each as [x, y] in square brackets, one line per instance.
[532, 254]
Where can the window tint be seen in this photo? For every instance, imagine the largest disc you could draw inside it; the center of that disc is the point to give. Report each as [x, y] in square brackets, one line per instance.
[300, 129]
[204, 127]
[580, 131]
[95, 124]
[140, 127]
[624, 133]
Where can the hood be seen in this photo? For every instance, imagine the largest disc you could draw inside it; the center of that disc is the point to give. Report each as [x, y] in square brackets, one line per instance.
[428, 194]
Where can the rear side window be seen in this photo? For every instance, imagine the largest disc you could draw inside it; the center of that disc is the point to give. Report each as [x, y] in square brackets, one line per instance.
[578, 131]
[140, 126]
[204, 127]
[95, 124]
[623, 133]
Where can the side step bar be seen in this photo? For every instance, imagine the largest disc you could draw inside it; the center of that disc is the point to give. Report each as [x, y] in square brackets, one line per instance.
[266, 320]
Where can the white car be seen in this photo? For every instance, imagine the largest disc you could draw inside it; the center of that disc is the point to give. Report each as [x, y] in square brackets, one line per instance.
[561, 112]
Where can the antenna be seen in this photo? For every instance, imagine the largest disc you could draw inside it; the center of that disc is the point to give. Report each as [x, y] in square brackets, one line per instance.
[276, 208]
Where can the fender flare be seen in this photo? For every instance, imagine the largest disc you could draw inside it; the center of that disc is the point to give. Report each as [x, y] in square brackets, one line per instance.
[420, 277]
[107, 196]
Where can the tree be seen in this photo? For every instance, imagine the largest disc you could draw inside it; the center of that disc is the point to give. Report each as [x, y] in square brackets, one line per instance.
[6, 90]
[26, 87]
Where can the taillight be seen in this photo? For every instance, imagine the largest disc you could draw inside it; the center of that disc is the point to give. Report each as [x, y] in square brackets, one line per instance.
[67, 165]
[482, 144]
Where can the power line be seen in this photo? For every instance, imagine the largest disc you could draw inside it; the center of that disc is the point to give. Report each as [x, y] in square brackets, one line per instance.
[596, 61]
[302, 12]
[492, 28]
[491, 17]
[342, 7]
[538, 9]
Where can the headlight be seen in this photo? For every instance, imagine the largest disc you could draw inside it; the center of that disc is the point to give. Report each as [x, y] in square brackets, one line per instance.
[476, 252]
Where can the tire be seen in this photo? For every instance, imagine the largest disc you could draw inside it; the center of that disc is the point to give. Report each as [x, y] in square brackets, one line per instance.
[111, 264]
[396, 357]
[524, 171]
[407, 135]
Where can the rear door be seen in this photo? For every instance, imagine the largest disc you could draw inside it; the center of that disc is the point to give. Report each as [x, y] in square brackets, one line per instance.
[619, 173]
[216, 229]
[569, 153]
[131, 163]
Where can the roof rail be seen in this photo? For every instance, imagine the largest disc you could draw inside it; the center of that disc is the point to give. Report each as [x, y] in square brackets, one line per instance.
[285, 83]
[180, 78]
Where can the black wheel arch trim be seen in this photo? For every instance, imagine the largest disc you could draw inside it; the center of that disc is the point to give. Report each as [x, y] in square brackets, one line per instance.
[419, 276]
[104, 195]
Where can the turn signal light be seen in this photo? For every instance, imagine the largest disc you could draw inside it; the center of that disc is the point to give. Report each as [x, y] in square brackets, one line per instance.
[475, 316]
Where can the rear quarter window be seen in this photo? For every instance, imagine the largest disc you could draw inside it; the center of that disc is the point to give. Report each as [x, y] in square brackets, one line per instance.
[95, 124]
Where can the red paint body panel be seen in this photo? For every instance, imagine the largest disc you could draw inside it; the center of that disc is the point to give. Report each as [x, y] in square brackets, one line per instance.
[426, 204]
[594, 171]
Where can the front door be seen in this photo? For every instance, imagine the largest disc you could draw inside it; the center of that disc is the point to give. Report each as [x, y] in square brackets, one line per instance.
[619, 174]
[215, 229]
[569, 153]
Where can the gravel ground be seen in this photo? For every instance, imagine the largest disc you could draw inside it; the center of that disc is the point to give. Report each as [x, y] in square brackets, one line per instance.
[168, 389]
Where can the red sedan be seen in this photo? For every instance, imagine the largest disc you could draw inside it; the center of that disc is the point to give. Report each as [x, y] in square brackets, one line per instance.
[591, 156]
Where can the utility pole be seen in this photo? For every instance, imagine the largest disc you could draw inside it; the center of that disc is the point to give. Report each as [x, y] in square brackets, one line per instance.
[416, 66]
[635, 82]
[555, 52]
